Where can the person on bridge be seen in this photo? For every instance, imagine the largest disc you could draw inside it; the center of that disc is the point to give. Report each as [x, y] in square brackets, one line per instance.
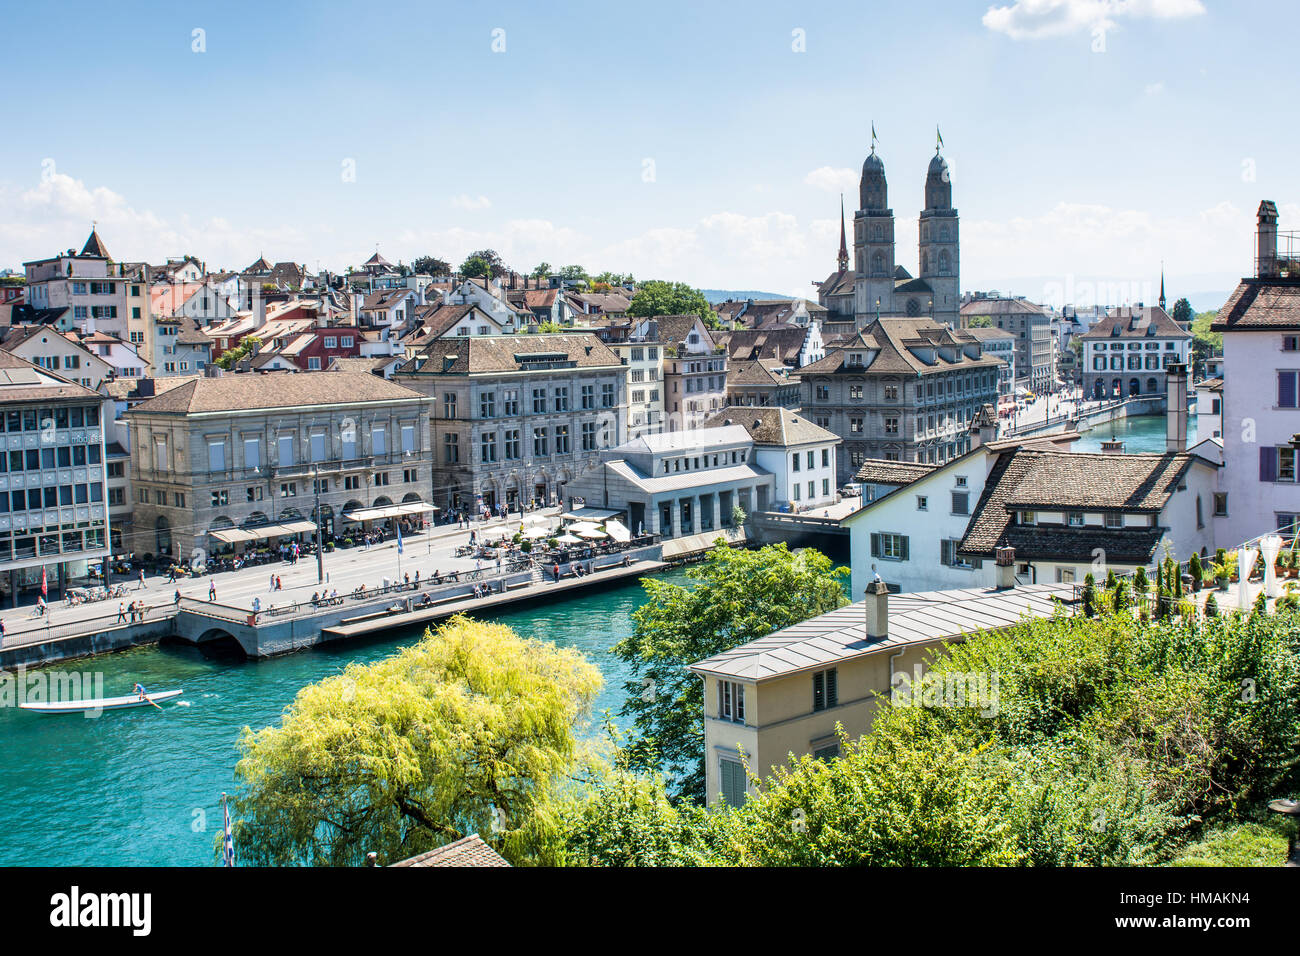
[176, 598]
[142, 579]
[121, 612]
[212, 591]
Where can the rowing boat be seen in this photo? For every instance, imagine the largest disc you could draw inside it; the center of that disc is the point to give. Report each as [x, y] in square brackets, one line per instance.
[97, 704]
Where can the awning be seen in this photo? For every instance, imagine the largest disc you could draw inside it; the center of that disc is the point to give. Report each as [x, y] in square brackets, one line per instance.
[389, 511]
[590, 514]
[533, 533]
[579, 527]
[236, 535]
[232, 535]
[617, 531]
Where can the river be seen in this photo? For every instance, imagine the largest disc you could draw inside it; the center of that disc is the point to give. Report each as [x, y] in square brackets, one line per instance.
[1141, 433]
[143, 788]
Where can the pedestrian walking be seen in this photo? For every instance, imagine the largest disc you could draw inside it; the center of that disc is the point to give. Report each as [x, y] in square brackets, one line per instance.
[212, 591]
[279, 585]
[257, 605]
[176, 598]
[556, 571]
[121, 612]
[272, 587]
[141, 579]
[131, 611]
[2, 630]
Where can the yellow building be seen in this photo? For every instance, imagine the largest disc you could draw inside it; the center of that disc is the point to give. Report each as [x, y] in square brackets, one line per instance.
[784, 693]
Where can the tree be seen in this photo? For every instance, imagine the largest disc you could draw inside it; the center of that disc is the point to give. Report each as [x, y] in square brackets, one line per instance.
[1183, 312]
[1205, 343]
[574, 273]
[541, 270]
[614, 278]
[470, 730]
[431, 266]
[230, 358]
[981, 322]
[737, 596]
[657, 297]
[483, 263]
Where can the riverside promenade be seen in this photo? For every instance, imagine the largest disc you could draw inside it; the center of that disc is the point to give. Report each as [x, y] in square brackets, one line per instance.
[287, 620]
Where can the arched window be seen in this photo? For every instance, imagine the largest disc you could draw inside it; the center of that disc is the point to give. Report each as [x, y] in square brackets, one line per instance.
[1151, 385]
[878, 264]
[944, 234]
[944, 263]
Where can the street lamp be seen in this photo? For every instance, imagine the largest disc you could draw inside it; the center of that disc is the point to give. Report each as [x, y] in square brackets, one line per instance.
[320, 544]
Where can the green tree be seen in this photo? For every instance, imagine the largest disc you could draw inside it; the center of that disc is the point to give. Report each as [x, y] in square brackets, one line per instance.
[737, 596]
[1183, 312]
[1205, 343]
[541, 270]
[470, 730]
[431, 266]
[485, 263]
[575, 273]
[614, 278]
[981, 322]
[657, 297]
[231, 357]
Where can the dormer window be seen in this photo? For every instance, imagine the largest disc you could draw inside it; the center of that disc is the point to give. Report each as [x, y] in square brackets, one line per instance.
[1113, 520]
[1028, 517]
[1075, 519]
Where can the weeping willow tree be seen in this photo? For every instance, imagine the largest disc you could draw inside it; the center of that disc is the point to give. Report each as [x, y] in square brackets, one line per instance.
[469, 731]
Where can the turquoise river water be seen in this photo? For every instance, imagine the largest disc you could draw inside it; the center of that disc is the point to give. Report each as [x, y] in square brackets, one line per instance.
[143, 788]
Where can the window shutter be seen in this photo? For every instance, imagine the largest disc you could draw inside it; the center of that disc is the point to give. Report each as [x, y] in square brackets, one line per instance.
[819, 691]
[832, 688]
[902, 547]
[1267, 463]
[945, 551]
[875, 544]
[1286, 397]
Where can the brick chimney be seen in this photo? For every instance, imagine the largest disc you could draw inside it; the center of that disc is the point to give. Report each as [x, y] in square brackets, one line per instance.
[877, 604]
[1176, 411]
[1005, 559]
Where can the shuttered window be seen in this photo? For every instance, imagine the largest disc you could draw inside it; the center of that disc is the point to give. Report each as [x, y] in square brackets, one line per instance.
[825, 689]
[1267, 463]
[960, 503]
[1286, 389]
[733, 782]
[891, 547]
[285, 444]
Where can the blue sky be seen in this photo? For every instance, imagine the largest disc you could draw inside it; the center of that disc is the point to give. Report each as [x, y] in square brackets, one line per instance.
[1089, 139]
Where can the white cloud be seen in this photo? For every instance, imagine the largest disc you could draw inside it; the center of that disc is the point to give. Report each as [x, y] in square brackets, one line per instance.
[1033, 19]
[470, 202]
[1154, 89]
[57, 213]
[832, 180]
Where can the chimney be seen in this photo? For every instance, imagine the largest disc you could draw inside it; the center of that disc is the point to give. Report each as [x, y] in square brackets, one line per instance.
[984, 426]
[1176, 412]
[1005, 558]
[1112, 446]
[877, 604]
[1266, 241]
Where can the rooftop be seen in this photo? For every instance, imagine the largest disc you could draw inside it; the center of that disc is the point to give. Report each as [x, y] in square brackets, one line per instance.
[840, 635]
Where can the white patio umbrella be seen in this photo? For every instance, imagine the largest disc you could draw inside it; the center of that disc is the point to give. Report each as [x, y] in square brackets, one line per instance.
[535, 533]
[578, 527]
[568, 539]
[592, 535]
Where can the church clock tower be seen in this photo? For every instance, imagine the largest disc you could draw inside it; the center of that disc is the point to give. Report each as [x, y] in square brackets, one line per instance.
[873, 244]
[939, 246]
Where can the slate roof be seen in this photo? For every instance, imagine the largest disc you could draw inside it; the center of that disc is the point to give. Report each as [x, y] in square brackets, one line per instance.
[767, 372]
[1002, 306]
[916, 618]
[1025, 479]
[885, 472]
[1261, 305]
[468, 851]
[95, 246]
[459, 355]
[1211, 384]
[840, 282]
[245, 391]
[767, 425]
[1134, 323]
[675, 328]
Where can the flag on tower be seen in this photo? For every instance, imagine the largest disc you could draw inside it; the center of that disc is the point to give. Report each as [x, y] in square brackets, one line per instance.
[873, 137]
[939, 137]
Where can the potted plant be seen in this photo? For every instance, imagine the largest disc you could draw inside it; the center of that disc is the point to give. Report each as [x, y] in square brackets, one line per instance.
[1198, 573]
[552, 543]
[1231, 564]
[526, 547]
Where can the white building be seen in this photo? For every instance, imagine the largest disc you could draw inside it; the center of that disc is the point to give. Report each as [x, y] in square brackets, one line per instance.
[798, 453]
[645, 396]
[1260, 322]
[1064, 514]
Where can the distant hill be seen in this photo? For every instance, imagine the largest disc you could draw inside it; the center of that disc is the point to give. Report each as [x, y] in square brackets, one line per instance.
[1205, 301]
[722, 295]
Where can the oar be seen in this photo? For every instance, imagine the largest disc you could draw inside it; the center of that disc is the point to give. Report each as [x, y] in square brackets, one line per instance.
[147, 697]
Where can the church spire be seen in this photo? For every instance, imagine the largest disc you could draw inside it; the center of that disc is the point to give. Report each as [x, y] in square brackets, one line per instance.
[1162, 287]
[843, 258]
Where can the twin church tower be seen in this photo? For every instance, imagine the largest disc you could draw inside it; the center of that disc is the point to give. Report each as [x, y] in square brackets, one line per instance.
[879, 285]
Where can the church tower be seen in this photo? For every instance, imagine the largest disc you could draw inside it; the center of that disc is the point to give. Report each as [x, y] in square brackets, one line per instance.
[873, 244]
[939, 246]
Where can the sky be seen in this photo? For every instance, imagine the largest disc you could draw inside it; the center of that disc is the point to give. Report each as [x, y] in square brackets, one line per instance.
[1090, 141]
